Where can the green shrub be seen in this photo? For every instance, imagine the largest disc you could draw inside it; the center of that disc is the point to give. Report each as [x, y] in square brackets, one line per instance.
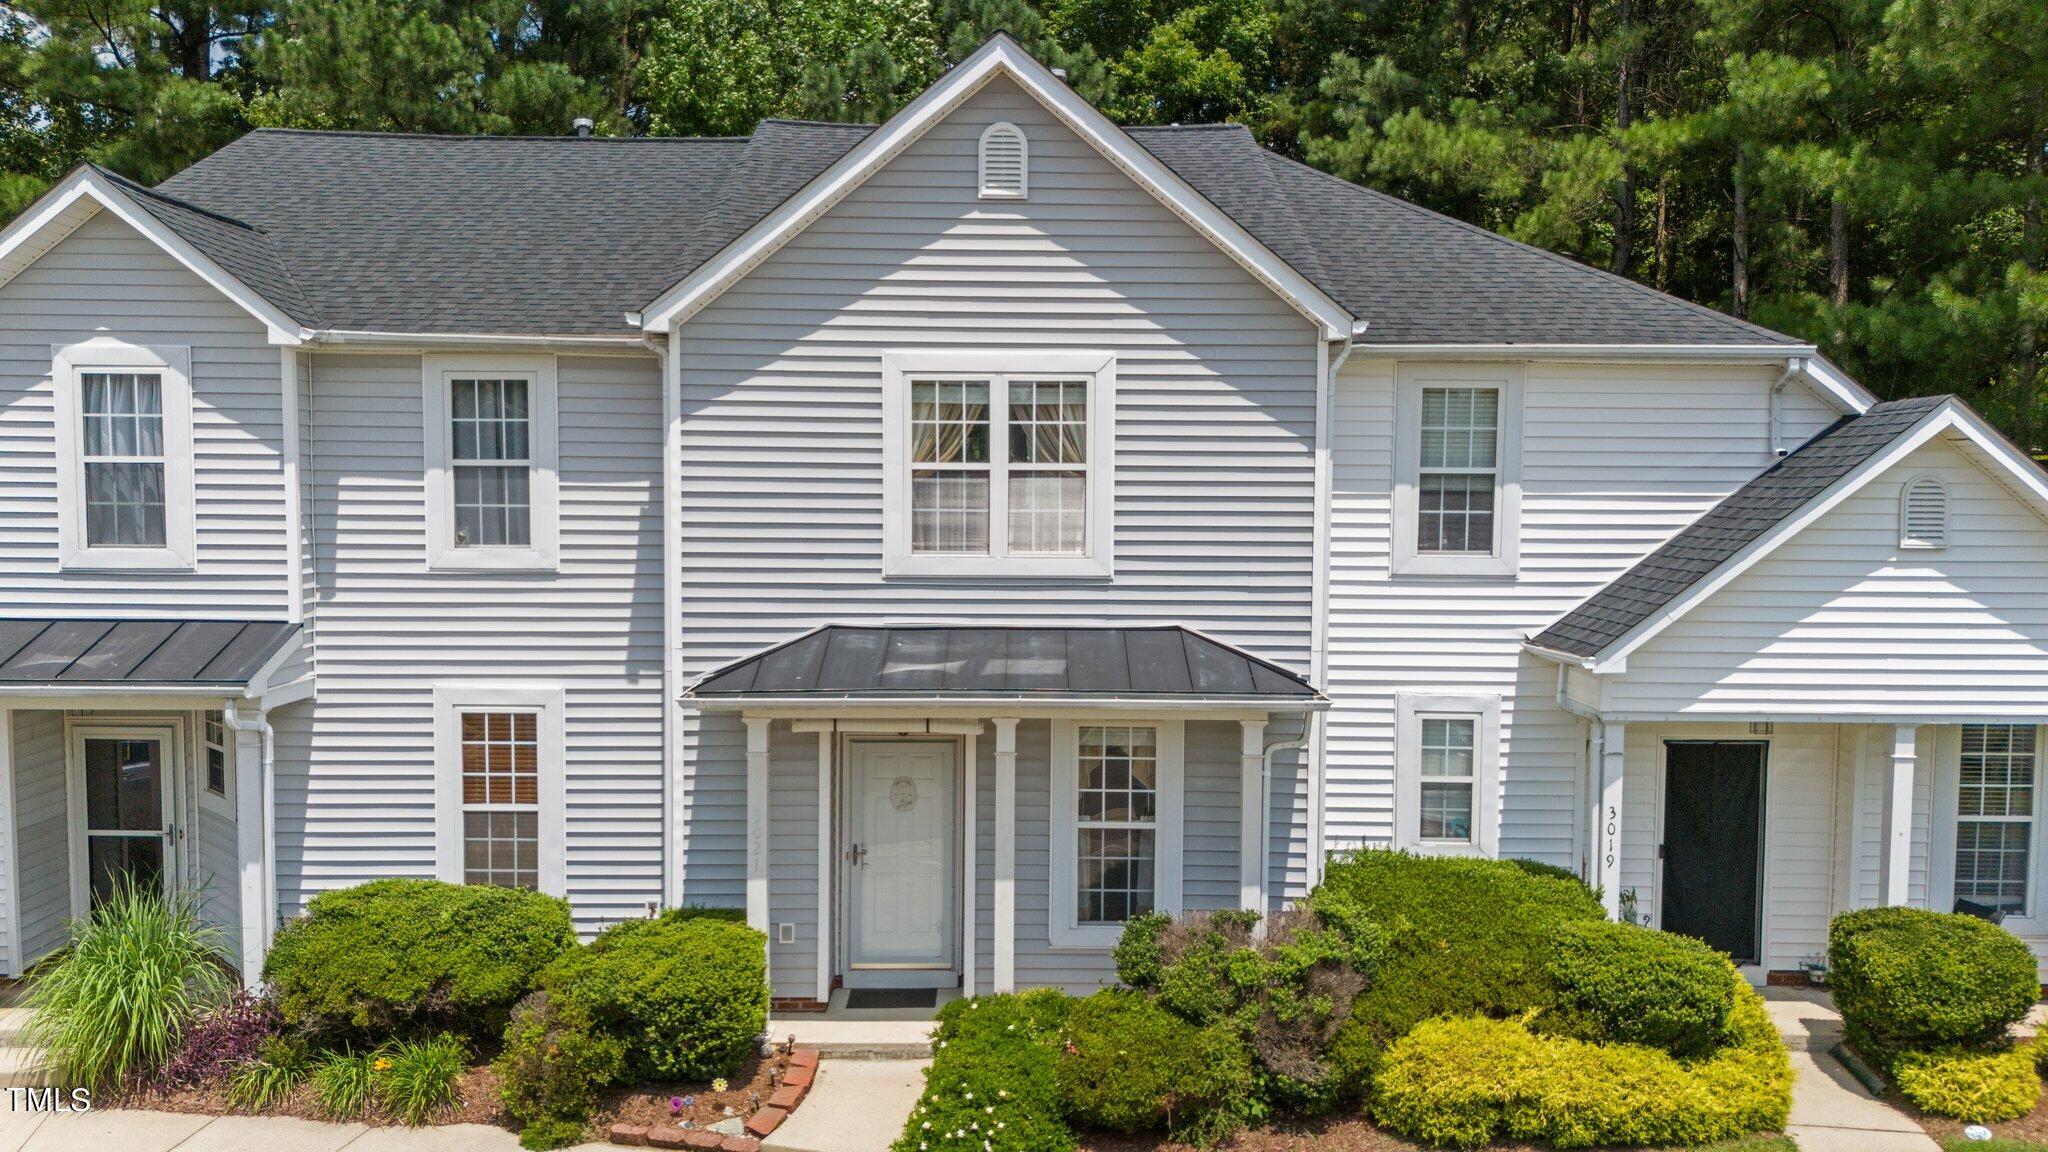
[1463, 936]
[414, 957]
[543, 1135]
[1983, 1086]
[700, 912]
[344, 1085]
[993, 1084]
[1554, 871]
[282, 1063]
[688, 996]
[1129, 1065]
[553, 1065]
[1475, 1081]
[1907, 978]
[1632, 985]
[112, 1006]
[417, 1078]
[1286, 993]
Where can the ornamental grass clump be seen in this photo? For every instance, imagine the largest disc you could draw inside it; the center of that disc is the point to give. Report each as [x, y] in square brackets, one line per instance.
[115, 1004]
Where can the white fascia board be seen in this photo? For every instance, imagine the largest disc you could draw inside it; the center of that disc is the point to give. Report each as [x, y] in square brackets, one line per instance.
[1004, 56]
[1598, 353]
[340, 338]
[1838, 383]
[1573, 659]
[1005, 705]
[1612, 658]
[84, 182]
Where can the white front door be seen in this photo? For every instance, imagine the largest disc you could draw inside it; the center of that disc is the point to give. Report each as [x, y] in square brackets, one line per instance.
[900, 839]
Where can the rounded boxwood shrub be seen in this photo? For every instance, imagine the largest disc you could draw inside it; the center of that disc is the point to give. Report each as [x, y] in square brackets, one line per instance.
[688, 996]
[1462, 937]
[553, 1063]
[1980, 1085]
[993, 1084]
[1129, 1065]
[414, 956]
[1908, 978]
[1633, 985]
[1472, 1081]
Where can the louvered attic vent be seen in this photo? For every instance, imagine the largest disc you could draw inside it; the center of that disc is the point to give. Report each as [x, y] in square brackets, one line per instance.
[1923, 514]
[1005, 163]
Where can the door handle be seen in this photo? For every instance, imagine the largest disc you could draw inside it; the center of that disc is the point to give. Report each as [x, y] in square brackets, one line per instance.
[859, 856]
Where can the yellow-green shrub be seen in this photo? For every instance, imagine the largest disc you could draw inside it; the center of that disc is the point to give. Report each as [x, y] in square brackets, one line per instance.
[1473, 1081]
[1979, 1085]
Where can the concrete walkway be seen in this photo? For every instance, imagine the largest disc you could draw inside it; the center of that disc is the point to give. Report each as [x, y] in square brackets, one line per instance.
[1831, 1112]
[854, 1106]
[125, 1130]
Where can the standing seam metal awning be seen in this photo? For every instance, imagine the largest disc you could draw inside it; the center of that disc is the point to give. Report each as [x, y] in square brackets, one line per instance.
[923, 662]
[138, 653]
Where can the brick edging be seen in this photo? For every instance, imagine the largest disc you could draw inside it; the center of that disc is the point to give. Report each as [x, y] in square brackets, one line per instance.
[789, 1092]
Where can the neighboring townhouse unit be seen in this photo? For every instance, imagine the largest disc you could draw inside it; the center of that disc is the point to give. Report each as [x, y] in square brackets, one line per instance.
[949, 538]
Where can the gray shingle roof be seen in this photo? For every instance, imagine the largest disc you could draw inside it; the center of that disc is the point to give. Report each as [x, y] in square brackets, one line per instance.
[1732, 525]
[185, 653]
[846, 662]
[382, 232]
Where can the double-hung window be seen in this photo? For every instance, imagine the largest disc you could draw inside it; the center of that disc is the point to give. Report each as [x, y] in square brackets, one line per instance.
[1446, 768]
[1457, 502]
[491, 461]
[998, 472]
[124, 449]
[500, 786]
[1995, 818]
[1116, 826]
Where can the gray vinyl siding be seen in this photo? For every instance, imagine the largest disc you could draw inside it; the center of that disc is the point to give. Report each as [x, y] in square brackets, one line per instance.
[107, 280]
[1210, 813]
[793, 860]
[356, 780]
[40, 816]
[782, 471]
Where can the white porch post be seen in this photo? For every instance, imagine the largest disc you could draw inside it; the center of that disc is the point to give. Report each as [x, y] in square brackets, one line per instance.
[1005, 977]
[824, 864]
[1896, 866]
[1607, 862]
[757, 823]
[1251, 833]
[251, 821]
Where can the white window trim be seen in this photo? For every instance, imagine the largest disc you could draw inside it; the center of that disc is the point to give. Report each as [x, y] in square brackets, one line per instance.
[1063, 928]
[1505, 558]
[1410, 710]
[1947, 752]
[544, 488]
[898, 368]
[546, 701]
[1907, 540]
[986, 192]
[208, 798]
[173, 363]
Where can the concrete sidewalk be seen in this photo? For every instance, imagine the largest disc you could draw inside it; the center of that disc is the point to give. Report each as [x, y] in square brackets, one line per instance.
[1831, 1112]
[854, 1106]
[126, 1130]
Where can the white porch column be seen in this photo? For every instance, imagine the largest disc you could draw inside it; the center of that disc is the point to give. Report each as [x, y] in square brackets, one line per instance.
[1005, 977]
[825, 900]
[757, 823]
[1251, 831]
[1896, 866]
[1607, 834]
[251, 821]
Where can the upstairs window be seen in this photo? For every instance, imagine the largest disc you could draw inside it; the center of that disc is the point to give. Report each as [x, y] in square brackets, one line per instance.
[1457, 483]
[1005, 163]
[1000, 473]
[1995, 818]
[491, 461]
[124, 452]
[1923, 513]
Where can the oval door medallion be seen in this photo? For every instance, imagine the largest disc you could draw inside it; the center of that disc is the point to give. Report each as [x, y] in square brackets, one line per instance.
[903, 794]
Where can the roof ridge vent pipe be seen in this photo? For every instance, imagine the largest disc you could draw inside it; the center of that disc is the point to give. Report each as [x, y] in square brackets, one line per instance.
[583, 126]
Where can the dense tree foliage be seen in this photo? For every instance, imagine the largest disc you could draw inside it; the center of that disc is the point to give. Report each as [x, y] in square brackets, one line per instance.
[1865, 173]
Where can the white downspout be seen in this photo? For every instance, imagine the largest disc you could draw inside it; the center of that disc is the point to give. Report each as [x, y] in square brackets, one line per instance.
[1596, 748]
[267, 818]
[1794, 366]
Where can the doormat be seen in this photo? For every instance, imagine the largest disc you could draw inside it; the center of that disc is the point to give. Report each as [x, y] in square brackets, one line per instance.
[891, 997]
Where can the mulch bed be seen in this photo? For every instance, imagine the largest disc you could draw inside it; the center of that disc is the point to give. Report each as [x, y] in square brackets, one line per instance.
[477, 1091]
[655, 1104]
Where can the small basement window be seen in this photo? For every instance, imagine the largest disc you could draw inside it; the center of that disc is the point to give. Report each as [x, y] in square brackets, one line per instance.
[1005, 163]
[1923, 513]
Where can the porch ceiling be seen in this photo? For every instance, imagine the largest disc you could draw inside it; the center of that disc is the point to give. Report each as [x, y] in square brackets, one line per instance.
[936, 663]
